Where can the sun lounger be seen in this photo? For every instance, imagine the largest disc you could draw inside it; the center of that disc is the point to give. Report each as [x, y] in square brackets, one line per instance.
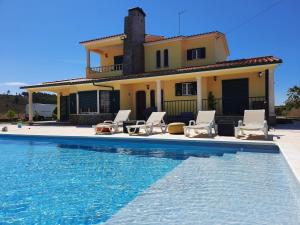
[155, 120]
[109, 126]
[254, 120]
[205, 121]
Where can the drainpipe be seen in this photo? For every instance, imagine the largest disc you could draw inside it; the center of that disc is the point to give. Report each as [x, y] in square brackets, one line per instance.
[113, 90]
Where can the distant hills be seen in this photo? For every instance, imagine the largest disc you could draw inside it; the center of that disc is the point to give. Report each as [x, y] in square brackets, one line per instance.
[18, 103]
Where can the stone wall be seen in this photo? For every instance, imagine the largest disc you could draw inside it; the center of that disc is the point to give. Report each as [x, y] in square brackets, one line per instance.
[90, 119]
[134, 28]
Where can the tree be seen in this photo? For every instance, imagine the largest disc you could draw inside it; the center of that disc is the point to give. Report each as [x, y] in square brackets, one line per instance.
[11, 114]
[211, 101]
[293, 100]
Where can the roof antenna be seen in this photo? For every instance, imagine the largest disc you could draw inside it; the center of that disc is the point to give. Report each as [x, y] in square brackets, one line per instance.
[179, 20]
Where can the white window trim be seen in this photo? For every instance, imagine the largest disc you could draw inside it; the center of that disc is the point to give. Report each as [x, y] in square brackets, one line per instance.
[186, 89]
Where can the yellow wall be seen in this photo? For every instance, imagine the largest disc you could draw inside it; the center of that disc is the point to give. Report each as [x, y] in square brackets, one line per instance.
[107, 55]
[215, 51]
[174, 49]
[256, 84]
[208, 43]
[128, 88]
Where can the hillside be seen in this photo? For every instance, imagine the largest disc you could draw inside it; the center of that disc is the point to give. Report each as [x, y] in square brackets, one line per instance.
[18, 103]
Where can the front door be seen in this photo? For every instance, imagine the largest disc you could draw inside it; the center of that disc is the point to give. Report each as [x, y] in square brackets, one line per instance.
[235, 96]
[140, 105]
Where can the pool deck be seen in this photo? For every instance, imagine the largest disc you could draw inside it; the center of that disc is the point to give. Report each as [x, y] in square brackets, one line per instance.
[287, 136]
[178, 185]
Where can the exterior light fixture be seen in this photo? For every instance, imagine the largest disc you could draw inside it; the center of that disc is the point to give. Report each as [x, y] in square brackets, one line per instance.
[148, 86]
[215, 78]
[260, 74]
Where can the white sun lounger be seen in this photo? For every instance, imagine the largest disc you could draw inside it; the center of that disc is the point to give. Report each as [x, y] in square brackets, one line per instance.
[154, 120]
[205, 121]
[113, 126]
[254, 120]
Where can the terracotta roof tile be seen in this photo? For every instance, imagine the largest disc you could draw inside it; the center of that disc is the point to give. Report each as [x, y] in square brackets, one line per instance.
[265, 60]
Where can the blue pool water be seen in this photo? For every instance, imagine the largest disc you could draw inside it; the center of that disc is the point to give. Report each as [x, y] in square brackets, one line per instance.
[86, 181]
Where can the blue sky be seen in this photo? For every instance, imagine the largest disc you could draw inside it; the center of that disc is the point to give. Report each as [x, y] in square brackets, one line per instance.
[39, 39]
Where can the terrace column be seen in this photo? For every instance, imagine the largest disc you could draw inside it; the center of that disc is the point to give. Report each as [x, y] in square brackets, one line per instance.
[158, 95]
[77, 103]
[199, 93]
[98, 102]
[271, 93]
[30, 116]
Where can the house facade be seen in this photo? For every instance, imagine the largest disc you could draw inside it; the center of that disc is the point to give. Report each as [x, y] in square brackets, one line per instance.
[179, 75]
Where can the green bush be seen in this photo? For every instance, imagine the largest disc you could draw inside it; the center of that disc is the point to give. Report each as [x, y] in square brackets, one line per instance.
[11, 114]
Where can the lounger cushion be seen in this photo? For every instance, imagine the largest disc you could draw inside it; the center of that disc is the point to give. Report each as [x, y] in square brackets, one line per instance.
[102, 129]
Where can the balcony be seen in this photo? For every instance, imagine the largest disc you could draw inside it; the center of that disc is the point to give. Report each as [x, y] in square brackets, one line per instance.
[104, 71]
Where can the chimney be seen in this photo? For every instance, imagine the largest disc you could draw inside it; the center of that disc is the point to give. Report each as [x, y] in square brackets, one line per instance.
[134, 28]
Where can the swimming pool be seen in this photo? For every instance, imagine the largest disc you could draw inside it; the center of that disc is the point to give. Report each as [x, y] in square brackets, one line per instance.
[87, 181]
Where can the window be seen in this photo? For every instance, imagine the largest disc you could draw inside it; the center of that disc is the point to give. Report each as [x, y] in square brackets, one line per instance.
[166, 58]
[158, 59]
[73, 104]
[196, 53]
[185, 89]
[118, 62]
[104, 99]
[87, 101]
[109, 101]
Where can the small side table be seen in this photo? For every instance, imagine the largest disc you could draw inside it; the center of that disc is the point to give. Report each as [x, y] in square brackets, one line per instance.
[226, 128]
[176, 128]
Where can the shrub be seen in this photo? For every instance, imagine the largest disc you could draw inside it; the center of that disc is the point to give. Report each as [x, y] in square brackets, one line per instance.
[11, 114]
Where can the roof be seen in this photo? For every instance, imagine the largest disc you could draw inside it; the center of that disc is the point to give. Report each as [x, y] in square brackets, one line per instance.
[190, 36]
[265, 60]
[102, 38]
[154, 40]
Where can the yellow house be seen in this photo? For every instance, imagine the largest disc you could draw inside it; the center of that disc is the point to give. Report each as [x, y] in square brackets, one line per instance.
[179, 75]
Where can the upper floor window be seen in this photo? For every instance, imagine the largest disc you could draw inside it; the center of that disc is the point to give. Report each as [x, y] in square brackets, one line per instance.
[196, 53]
[166, 58]
[158, 59]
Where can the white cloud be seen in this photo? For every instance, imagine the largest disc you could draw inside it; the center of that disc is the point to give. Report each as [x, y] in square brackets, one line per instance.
[14, 84]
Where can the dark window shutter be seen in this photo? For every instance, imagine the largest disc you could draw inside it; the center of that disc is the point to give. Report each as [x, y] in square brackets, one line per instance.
[201, 53]
[73, 104]
[178, 89]
[166, 58]
[152, 98]
[194, 88]
[158, 59]
[189, 54]
[115, 101]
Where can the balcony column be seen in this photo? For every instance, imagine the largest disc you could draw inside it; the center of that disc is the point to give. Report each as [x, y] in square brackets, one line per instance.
[199, 93]
[30, 116]
[77, 103]
[88, 58]
[158, 95]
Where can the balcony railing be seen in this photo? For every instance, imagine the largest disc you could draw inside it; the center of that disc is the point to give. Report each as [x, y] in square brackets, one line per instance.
[221, 105]
[105, 69]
